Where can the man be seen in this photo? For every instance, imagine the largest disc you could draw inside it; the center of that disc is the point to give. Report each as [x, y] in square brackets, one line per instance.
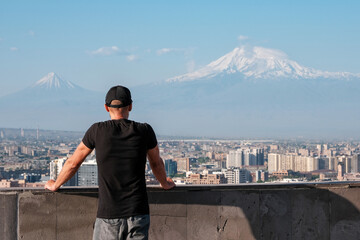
[121, 149]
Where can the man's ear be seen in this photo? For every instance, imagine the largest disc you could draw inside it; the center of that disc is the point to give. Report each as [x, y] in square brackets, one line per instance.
[130, 107]
[106, 108]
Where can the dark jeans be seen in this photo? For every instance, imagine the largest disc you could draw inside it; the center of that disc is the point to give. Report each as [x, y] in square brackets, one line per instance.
[136, 227]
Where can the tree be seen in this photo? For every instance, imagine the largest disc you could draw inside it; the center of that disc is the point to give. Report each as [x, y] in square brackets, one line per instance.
[203, 160]
[180, 175]
[272, 179]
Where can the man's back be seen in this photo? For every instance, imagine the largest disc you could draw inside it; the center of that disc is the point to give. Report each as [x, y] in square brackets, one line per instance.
[121, 146]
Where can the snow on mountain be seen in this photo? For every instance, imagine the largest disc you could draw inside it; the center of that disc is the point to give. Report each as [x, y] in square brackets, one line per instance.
[258, 63]
[52, 103]
[53, 81]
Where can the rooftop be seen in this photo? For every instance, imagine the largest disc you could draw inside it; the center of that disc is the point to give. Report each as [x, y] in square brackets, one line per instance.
[245, 211]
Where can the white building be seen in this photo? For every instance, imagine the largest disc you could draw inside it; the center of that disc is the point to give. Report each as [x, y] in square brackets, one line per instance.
[296, 163]
[234, 158]
[56, 166]
[237, 175]
[245, 157]
[87, 174]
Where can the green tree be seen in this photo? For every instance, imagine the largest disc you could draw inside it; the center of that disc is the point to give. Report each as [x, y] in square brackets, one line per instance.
[202, 160]
[180, 175]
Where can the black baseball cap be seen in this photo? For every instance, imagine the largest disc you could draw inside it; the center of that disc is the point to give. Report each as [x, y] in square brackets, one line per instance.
[118, 93]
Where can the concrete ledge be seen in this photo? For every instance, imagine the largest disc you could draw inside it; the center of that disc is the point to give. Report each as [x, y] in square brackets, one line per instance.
[8, 215]
[246, 211]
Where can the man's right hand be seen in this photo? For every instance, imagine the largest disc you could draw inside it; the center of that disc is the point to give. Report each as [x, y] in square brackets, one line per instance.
[169, 184]
[50, 185]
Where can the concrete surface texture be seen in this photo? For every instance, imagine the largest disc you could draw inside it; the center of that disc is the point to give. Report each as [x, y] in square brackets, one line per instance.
[252, 211]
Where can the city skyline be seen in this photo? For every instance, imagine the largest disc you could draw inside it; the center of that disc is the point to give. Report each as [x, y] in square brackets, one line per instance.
[25, 155]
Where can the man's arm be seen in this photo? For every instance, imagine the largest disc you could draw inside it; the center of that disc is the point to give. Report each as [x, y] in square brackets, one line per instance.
[158, 168]
[70, 167]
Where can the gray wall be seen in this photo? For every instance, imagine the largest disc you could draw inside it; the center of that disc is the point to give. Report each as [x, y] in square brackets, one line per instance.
[253, 211]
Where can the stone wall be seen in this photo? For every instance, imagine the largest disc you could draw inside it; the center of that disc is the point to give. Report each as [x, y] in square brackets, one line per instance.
[250, 211]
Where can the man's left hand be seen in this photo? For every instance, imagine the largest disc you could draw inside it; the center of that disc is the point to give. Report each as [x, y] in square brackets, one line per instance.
[169, 184]
[50, 185]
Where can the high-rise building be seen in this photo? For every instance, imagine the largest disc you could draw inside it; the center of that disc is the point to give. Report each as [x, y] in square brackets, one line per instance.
[87, 175]
[273, 162]
[347, 164]
[235, 159]
[355, 163]
[340, 168]
[248, 158]
[254, 156]
[295, 163]
[259, 156]
[262, 175]
[319, 149]
[56, 166]
[351, 164]
[304, 152]
[245, 157]
[11, 150]
[274, 148]
[170, 167]
[183, 164]
[231, 177]
[26, 150]
[312, 164]
[323, 163]
[237, 175]
[1, 172]
[333, 163]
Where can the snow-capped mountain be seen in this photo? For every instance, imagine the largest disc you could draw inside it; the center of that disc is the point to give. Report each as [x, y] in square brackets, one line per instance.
[52, 103]
[52, 80]
[255, 92]
[258, 63]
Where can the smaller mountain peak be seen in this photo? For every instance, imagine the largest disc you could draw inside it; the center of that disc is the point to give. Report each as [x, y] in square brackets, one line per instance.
[53, 81]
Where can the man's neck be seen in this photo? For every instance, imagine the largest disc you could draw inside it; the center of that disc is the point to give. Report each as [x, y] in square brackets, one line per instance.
[118, 118]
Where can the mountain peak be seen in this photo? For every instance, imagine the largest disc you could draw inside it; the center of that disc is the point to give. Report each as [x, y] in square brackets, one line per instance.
[257, 63]
[53, 81]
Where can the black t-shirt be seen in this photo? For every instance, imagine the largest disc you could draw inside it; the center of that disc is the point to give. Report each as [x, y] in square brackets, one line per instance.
[121, 147]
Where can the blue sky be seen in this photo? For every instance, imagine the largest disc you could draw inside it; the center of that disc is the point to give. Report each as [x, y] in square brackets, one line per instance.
[97, 44]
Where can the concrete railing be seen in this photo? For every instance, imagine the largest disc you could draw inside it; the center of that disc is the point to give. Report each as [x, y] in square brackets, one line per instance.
[249, 211]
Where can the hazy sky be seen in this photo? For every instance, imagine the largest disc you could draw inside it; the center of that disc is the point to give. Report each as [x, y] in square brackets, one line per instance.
[96, 44]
